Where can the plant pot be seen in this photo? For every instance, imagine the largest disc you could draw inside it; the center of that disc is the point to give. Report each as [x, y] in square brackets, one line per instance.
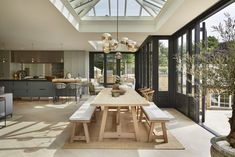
[221, 148]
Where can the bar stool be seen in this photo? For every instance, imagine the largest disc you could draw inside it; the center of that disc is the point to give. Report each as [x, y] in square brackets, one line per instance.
[59, 87]
[3, 99]
[76, 87]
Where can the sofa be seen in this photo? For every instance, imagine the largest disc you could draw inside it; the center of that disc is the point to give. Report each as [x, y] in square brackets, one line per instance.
[9, 104]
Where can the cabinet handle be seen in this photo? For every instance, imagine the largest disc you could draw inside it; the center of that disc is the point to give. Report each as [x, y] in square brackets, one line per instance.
[42, 89]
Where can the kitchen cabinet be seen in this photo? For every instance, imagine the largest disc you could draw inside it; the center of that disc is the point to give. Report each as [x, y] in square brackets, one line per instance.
[37, 56]
[29, 88]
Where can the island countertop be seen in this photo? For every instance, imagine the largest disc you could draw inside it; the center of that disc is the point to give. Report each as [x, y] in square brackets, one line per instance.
[62, 80]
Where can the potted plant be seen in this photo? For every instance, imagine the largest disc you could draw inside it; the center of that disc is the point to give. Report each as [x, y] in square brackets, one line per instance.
[215, 70]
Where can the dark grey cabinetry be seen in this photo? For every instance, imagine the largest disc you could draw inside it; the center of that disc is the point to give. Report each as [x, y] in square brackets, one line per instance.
[29, 88]
[41, 89]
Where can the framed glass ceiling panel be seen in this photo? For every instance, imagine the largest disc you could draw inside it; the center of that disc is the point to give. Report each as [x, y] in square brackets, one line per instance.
[133, 8]
[102, 8]
[91, 12]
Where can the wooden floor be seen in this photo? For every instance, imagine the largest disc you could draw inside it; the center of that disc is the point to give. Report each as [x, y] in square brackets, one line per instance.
[40, 128]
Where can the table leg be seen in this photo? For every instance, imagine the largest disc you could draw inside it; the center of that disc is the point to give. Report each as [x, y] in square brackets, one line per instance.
[103, 122]
[133, 111]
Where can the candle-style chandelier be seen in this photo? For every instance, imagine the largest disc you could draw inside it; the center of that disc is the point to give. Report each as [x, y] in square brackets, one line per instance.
[110, 44]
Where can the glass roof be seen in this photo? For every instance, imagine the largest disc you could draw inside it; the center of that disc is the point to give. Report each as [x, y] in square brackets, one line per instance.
[108, 8]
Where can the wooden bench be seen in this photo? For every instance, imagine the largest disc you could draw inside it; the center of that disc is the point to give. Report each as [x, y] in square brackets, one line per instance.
[156, 115]
[82, 116]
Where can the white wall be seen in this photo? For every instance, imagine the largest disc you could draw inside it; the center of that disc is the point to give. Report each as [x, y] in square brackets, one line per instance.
[76, 62]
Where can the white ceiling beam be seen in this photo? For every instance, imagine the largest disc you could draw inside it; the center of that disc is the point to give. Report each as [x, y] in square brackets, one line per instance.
[148, 10]
[78, 8]
[151, 5]
[76, 2]
[160, 2]
[88, 8]
[94, 11]
[140, 13]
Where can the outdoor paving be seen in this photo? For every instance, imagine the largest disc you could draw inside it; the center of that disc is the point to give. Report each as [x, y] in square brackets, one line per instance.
[217, 120]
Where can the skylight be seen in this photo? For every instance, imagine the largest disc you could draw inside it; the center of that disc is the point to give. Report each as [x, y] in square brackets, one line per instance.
[108, 8]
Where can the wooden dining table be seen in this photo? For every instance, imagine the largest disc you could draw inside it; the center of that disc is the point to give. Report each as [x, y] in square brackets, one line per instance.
[130, 99]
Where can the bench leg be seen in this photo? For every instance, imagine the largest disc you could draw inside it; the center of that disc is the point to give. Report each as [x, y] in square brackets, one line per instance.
[86, 132]
[164, 132]
[150, 137]
[141, 115]
[73, 132]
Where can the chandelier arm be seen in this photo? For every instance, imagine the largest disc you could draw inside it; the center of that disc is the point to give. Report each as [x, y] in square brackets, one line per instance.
[117, 17]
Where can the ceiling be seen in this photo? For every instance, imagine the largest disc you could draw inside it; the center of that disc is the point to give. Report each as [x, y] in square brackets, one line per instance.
[39, 25]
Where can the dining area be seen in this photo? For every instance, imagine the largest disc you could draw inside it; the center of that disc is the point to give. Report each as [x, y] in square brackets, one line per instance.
[130, 117]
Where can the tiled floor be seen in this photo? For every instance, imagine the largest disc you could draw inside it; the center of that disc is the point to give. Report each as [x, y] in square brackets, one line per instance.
[40, 129]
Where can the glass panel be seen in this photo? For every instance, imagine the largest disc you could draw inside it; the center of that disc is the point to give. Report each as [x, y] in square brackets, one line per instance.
[163, 65]
[224, 100]
[111, 68]
[133, 8]
[150, 65]
[184, 53]
[128, 69]
[214, 100]
[179, 48]
[99, 8]
[99, 67]
[91, 12]
[193, 52]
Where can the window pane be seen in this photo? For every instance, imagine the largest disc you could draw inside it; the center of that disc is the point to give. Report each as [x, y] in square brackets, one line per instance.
[111, 68]
[184, 53]
[128, 69]
[193, 52]
[179, 47]
[163, 65]
[99, 67]
[150, 65]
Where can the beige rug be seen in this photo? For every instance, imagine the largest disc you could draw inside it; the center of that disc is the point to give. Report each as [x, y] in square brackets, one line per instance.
[127, 126]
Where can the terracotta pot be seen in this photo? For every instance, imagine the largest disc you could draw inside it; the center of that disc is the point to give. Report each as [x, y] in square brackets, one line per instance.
[221, 148]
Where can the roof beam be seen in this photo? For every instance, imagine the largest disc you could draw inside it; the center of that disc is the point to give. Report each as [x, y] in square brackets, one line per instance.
[109, 7]
[151, 5]
[88, 8]
[76, 2]
[140, 13]
[125, 8]
[159, 2]
[94, 11]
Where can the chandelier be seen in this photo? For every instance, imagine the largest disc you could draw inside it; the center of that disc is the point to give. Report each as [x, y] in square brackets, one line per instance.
[110, 44]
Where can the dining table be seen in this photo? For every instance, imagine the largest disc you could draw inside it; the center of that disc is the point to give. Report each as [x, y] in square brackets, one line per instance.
[130, 99]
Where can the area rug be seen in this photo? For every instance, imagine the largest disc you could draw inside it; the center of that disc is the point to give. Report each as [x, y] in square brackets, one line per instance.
[127, 126]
